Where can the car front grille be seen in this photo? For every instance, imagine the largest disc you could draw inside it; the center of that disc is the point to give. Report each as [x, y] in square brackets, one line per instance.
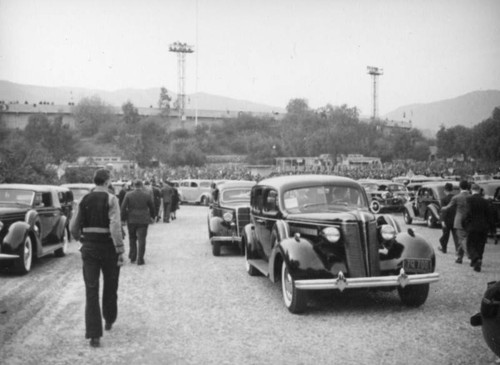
[361, 247]
[242, 218]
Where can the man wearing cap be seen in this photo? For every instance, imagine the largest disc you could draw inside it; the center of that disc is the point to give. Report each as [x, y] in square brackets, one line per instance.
[138, 211]
[96, 224]
[478, 221]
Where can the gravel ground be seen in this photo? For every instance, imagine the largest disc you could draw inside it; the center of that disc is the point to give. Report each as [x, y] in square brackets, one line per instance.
[186, 306]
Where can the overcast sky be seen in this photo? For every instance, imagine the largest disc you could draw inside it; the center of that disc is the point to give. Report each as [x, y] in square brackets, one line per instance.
[266, 51]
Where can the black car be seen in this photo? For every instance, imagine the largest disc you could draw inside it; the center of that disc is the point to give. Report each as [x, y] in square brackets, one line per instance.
[490, 190]
[316, 232]
[228, 214]
[385, 195]
[33, 221]
[426, 206]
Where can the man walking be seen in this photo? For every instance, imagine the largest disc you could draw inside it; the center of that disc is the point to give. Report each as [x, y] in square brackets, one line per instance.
[138, 211]
[96, 224]
[459, 202]
[478, 222]
[167, 193]
[447, 218]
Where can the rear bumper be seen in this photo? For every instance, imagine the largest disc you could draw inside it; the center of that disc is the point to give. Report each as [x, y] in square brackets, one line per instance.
[6, 256]
[225, 239]
[342, 282]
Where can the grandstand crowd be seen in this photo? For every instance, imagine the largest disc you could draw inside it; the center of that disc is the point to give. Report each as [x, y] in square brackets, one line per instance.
[386, 171]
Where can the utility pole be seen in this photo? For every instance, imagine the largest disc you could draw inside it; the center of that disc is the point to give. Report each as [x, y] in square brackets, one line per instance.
[375, 72]
[181, 49]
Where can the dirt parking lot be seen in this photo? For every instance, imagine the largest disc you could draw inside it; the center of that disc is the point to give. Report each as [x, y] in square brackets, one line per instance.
[186, 306]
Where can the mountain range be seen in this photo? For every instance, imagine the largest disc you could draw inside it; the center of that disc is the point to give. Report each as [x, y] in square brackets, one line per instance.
[467, 110]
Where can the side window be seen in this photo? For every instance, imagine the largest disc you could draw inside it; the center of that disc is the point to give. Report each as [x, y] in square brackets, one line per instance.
[257, 201]
[47, 199]
[194, 185]
[271, 201]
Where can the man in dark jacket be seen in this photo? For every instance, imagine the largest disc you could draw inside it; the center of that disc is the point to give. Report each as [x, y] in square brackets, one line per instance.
[138, 211]
[167, 193]
[478, 221]
[96, 224]
[447, 218]
[459, 202]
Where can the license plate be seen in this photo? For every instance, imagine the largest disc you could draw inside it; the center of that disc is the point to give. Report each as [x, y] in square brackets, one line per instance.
[417, 265]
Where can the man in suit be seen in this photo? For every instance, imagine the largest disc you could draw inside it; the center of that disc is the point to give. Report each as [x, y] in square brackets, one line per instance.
[478, 221]
[459, 202]
[138, 211]
[167, 193]
[447, 218]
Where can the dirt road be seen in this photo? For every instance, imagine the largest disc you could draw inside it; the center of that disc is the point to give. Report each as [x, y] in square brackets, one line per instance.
[187, 307]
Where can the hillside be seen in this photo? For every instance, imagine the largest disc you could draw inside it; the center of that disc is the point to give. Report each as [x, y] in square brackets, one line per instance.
[10, 91]
[466, 110]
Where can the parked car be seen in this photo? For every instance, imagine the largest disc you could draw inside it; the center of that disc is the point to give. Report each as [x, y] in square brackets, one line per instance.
[316, 232]
[196, 191]
[426, 206]
[228, 214]
[33, 220]
[385, 195]
[491, 192]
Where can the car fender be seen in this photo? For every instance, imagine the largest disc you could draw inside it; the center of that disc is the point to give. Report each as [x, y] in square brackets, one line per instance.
[249, 236]
[410, 208]
[215, 224]
[16, 235]
[204, 195]
[61, 226]
[299, 255]
[407, 245]
[434, 211]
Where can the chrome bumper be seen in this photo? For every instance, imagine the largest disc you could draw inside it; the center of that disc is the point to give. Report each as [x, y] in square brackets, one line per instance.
[225, 239]
[342, 282]
[6, 256]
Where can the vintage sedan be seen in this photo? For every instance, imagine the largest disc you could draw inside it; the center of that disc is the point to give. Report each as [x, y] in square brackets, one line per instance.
[316, 232]
[196, 191]
[426, 206]
[385, 195]
[228, 214]
[33, 220]
[491, 192]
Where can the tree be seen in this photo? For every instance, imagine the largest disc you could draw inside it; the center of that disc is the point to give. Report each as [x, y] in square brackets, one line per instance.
[297, 106]
[164, 102]
[130, 114]
[90, 114]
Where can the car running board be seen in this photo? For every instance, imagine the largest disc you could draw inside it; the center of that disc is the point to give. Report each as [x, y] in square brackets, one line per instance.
[261, 265]
[46, 250]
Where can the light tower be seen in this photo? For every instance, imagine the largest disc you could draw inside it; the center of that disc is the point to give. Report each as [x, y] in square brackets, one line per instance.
[181, 49]
[375, 72]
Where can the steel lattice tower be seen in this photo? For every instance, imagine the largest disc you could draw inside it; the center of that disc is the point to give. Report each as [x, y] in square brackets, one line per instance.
[375, 72]
[181, 49]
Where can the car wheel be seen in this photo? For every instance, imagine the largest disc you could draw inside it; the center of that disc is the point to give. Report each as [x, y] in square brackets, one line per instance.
[204, 201]
[60, 252]
[216, 248]
[295, 299]
[407, 217]
[414, 295]
[375, 207]
[252, 271]
[430, 220]
[25, 252]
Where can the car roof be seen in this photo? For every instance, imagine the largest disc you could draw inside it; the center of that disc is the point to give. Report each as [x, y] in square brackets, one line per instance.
[294, 181]
[231, 184]
[79, 185]
[440, 183]
[32, 187]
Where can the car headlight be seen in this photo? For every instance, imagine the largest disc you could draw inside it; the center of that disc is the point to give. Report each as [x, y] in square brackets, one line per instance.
[387, 232]
[228, 217]
[332, 234]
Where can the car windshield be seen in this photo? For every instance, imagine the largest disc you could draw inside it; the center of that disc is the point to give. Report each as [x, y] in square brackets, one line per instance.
[370, 186]
[16, 196]
[234, 195]
[323, 198]
[396, 187]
